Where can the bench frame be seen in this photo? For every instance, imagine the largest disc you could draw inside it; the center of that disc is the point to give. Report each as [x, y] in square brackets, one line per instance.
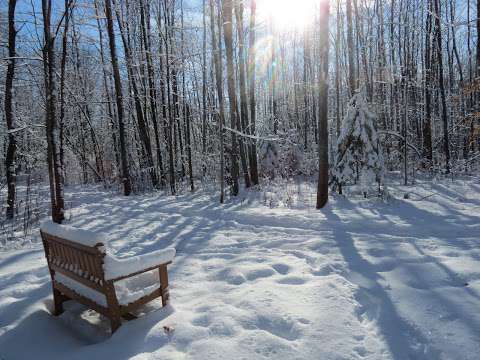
[84, 264]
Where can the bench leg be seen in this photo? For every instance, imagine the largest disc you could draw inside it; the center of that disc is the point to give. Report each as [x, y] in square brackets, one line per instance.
[115, 323]
[112, 302]
[164, 284]
[58, 300]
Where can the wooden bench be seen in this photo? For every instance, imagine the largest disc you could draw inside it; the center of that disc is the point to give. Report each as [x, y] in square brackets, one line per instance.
[81, 269]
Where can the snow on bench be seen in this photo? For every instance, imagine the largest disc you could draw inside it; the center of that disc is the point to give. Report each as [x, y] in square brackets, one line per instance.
[83, 269]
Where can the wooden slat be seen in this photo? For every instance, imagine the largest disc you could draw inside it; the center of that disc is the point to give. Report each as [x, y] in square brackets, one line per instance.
[89, 249]
[83, 263]
[96, 267]
[163, 274]
[142, 301]
[53, 248]
[63, 254]
[58, 254]
[141, 271]
[74, 256]
[78, 278]
[71, 254]
[90, 260]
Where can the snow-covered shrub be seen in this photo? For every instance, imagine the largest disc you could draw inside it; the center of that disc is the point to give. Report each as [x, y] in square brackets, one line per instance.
[358, 157]
[270, 199]
[290, 154]
[284, 157]
[268, 156]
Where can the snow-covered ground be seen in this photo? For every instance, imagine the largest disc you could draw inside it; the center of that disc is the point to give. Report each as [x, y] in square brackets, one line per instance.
[254, 279]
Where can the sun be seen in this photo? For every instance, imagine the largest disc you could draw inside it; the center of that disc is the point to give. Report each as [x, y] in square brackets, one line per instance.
[287, 14]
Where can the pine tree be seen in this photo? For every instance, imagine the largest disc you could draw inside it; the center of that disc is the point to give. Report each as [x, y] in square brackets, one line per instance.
[358, 155]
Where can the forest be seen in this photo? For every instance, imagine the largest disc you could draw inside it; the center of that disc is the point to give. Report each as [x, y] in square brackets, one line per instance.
[326, 146]
[141, 95]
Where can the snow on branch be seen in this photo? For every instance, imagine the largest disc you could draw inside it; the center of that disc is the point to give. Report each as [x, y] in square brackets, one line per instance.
[253, 137]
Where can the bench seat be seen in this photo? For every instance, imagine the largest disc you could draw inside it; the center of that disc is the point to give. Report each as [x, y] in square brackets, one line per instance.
[127, 291]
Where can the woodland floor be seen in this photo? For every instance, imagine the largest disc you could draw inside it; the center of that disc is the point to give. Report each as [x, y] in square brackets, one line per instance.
[257, 279]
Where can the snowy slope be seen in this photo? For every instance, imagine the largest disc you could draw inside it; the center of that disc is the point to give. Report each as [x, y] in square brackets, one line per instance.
[358, 280]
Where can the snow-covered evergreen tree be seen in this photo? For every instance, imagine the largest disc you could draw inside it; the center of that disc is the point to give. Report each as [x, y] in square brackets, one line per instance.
[358, 157]
[268, 155]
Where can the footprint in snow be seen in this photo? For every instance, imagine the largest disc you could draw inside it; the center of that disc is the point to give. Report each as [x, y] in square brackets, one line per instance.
[259, 273]
[231, 276]
[281, 268]
[292, 280]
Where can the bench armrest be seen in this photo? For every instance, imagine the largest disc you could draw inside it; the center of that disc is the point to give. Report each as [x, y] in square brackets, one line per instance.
[116, 268]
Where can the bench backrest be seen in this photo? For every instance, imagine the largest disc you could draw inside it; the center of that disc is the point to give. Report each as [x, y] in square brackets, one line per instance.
[77, 261]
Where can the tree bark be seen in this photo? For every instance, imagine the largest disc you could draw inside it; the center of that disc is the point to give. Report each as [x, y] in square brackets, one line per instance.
[477, 72]
[110, 112]
[142, 125]
[253, 110]
[242, 124]
[322, 189]
[232, 96]
[51, 127]
[10, 159]
[427, 129]
[127, 187]
[219, 85]
[204, 86]
[446, 143]
[152, 91]
[351, 64]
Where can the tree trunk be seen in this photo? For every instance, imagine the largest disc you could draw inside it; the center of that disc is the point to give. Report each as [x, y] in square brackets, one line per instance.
[51, 127]
[152, 94]
[446, 144]
[110, 112]
[219, 85]
[322, 190]
[62, 83]
[306, 57]
[227, 33]
[351, 65]
[204, 86]
[427, 129]
[251, 77]
[127, 187]
[243, 124]
[142, 125]
[477, 72]
[168, 108]
[337, 71]
[10, 159]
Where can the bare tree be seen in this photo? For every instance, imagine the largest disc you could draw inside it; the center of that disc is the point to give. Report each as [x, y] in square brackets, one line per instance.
[427, 127]
[251, 78]
[127, 187]
[351, 65]
[10, 159]
[55, 170]
[322, 190]
[438, 36]
[232, 96]
[219, 86]
[243, 121]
